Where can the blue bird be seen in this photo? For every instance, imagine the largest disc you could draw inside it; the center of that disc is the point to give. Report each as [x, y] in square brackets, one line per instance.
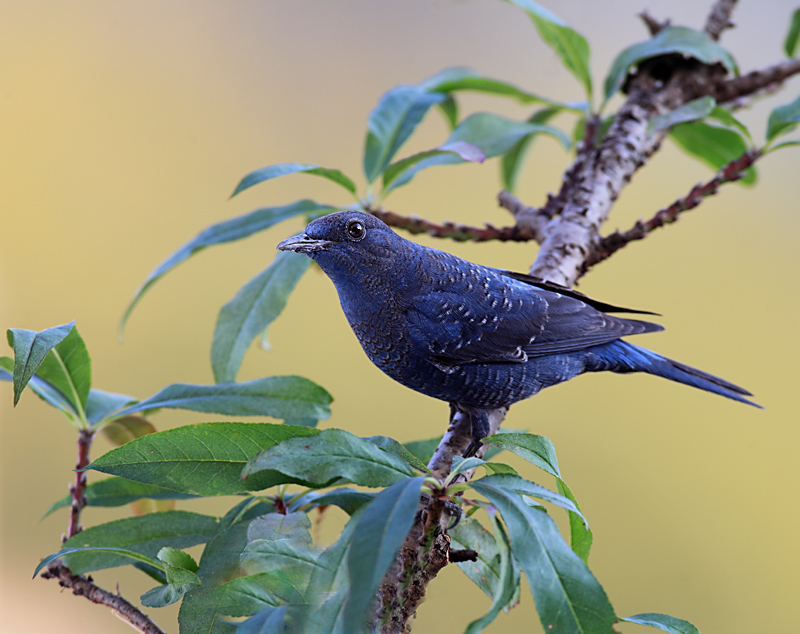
[477, 337]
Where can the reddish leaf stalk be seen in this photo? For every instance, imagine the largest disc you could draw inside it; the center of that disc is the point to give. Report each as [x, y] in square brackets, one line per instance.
[78, 489]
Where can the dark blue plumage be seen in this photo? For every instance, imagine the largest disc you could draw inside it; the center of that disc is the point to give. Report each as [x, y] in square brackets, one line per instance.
[476, 337]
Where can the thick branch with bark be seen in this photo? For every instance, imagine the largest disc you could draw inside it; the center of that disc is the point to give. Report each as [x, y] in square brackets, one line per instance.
[568, 225]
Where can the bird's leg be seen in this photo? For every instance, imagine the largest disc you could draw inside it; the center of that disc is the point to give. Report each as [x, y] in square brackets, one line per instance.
[479, 420]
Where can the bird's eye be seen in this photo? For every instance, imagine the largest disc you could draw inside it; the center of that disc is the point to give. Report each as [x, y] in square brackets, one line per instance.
[356, 230]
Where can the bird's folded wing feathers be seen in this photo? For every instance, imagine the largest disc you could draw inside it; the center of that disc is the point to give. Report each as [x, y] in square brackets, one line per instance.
[511, 325]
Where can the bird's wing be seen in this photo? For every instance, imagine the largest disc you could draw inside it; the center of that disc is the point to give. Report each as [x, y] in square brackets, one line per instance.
[507, 321]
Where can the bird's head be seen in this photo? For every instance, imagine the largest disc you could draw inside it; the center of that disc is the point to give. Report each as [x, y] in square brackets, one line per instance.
[347, 243]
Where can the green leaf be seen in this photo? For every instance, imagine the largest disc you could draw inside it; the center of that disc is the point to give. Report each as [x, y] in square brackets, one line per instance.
[179, 568]
[100, 405]
[250, 594]
[294, 557]
[771, 149]
[691, 111]
[284, 169]
[330, 455]
[349, 500]
[449, 108]
[512, 161]
[30, 349]
[581, 537]
[391, 123]
[120, 555]
[399, 450]
[506, 588]
[494, 571]
[68, 368]
[126, 428]
[537, 450]
[146, 534]
[793, 35]
[257, 304]
[512, 482]
[723, 116]
[220, 233]
[44, 390]
[673, 39]
[219, 564]
[716, 147]
[397, 173]
[202, 459]
[783, 119]
[119, 492]
[663, 622]
[490, 133]
[283, 397]
[465, 79]
[381, 529]
[570, 46]
[275, 526]
[567, 595]
[271, 620]
[423, 449]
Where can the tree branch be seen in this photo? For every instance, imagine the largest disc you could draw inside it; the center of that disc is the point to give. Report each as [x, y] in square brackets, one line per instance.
[613, 242]
[81, 586]
[720, 18]
[77, 490]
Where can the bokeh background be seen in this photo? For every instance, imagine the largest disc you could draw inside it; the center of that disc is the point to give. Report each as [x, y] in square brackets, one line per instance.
[125, 127]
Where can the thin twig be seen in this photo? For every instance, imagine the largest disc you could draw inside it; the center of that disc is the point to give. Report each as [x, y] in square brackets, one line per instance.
[613, 242]
[454, 231]
[653, 25]
[78, 490]
[81, 586]
[720, 18]
[762, 79]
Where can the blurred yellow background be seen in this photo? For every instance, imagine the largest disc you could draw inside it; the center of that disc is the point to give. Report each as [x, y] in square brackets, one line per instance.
[125, 127]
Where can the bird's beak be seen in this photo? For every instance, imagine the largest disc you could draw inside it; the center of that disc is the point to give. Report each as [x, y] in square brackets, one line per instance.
[302, 244]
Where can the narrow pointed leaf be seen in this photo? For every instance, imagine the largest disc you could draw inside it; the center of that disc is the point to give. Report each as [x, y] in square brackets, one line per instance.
[253, 308]
[202, 459]
[672, 39]
[220, 233]
[716, 147]
[581, 537]
[284, 169]
[465, 79]
[30, 350]
[283, 397]
[349, 500]
[793, 35]
[146, 534]
[691, 111]
[783, 119]
[570, 46]
[663, 622]
[69, 368]
[399, 450]
[250, 594]
[381, 529]
[330, 455]
[490, 133]
[119, 492]
[487, 572]
[100, 405]
[120, 555]
[723, 116]
[506, 590]
[400, 173]
[391, 123]
[512, 161]
[520, 485]
[449, 109]
[535, 449]
[44, 390]
[568, 598]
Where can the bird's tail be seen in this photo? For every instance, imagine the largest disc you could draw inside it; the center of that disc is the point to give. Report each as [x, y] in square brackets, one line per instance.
[621, 356]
